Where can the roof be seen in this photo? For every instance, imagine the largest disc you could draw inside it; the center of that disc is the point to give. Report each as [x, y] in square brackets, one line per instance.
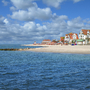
[66, 34]
[75, 34]
[85, 31]
[71, 35]
[79, 40]
[46, 40]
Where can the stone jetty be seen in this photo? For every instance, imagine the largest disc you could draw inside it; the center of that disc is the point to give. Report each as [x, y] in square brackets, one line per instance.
[12, 49]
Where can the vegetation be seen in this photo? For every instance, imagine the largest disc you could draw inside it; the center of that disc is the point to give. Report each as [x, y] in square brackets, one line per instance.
[73, 41]
[56, 41]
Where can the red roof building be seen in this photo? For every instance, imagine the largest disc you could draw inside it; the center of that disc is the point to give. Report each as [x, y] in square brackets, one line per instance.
[46, 41]
[52, 43]
[84, 34]
[70, 37]
[85, 31]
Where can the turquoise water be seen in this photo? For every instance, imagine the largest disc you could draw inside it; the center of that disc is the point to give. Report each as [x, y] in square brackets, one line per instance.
[16, 46]
[25, 70]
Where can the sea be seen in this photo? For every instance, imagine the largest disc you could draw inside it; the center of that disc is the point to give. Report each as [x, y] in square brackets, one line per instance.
[27, 70]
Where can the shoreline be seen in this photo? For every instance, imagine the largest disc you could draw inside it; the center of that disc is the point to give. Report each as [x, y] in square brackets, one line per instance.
[77, 49]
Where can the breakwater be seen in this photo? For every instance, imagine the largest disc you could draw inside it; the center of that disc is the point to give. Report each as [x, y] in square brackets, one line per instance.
[12, 49]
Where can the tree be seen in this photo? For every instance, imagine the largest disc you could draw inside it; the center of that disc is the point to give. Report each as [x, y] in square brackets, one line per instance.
[56, 41]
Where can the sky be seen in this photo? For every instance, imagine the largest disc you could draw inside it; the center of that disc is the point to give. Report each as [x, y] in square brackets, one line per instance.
[26, 21]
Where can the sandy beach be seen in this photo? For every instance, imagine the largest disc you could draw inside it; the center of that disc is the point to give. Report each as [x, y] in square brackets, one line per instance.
[79, 49]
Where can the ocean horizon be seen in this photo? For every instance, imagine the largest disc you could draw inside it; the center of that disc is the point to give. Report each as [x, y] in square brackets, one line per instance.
[27, 70]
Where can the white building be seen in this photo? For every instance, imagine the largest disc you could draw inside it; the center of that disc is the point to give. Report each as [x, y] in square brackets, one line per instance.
[70, 37]
[85, 35]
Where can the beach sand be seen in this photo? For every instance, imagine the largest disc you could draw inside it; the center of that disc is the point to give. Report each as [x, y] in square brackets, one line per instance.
[79, 49]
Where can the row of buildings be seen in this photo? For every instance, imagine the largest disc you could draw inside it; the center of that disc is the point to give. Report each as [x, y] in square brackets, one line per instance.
[82, 38]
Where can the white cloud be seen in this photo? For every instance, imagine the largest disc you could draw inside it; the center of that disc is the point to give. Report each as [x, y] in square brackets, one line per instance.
[1, 19]
[54, 3]
[6, 21]
[13, 8]
[60, 18]
[5, 2]
[75, 1]
[57, 26]
[22, 4]
[27, 10]
[76, 23]
[88, 22]
[30, 26]
[31, 31]
[32, 14]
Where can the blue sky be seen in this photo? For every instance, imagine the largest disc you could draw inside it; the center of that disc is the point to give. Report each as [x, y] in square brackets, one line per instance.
[26, 21]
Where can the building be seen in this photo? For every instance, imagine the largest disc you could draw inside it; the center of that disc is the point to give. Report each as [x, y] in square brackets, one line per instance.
[67, 38]
[35, 43]
[80, 41]
[85, 36]
[62, 39]
[71, 37]
[52, 43]
[46, 41]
